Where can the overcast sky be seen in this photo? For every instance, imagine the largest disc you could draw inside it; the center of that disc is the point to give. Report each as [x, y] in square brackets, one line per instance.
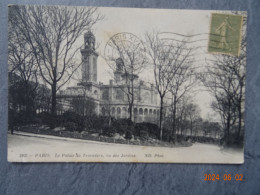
[138, 21]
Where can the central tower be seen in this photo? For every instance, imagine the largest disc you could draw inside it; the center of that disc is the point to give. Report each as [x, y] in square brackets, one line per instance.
[89, 59]
[119, 70]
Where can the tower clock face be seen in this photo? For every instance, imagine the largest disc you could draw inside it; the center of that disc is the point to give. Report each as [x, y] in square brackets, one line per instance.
[126, 46]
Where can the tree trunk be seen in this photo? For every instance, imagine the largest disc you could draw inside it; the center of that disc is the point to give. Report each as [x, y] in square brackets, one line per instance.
[109, 120]
[161, 117]
[27, 103]
[181, 126]
[228, 128]
[130, 111]
[53, 99]
[240, 113]
[239, 121]
[191, 127]
[173, 131]
[131, 100]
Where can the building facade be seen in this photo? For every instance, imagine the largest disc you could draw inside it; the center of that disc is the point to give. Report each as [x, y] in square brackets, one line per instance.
[111, 99]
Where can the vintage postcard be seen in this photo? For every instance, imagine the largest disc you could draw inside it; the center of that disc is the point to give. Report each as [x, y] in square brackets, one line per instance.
[97, 84]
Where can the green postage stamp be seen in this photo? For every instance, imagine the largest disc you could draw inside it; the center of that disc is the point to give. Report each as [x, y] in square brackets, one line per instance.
[225, 34]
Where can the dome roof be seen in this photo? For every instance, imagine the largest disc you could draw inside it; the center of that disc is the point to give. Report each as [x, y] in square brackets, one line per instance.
[89, 34]
[119, 61]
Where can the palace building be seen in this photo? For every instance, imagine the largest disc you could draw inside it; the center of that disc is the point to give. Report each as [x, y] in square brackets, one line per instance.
[111, 98]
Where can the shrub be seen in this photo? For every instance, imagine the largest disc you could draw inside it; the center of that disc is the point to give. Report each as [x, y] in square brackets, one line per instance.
[70, 126]
[140, 127]
[151, 129]
[108, 131]
[94, 122]
[75, 118]
[36, 120]
[99, 122]
[171, 139]
[13, 119]
[128, 135]
[144, 135]
[235, 141]
[70, 116]
[21, 118]
[122, 125]
[48, 119]
[166, 135]
[44, 116]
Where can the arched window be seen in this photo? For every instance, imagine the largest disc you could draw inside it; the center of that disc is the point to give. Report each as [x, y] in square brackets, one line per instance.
[118, 112]
[145, 111]
[141, 111]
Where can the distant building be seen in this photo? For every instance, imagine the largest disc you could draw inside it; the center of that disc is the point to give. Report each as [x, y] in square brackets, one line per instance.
[111, 97]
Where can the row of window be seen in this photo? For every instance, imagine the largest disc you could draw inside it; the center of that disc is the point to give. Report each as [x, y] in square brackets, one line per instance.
[139, 111]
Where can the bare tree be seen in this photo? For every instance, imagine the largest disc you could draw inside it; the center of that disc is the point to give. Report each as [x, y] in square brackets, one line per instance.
[181, 114]
[181, 83]
[225, 79]
[193, 115]
[107, 110]
[186, 115]
[22, 63]
[169, 60]
[43, 98]
[52, 32]
[128, 61]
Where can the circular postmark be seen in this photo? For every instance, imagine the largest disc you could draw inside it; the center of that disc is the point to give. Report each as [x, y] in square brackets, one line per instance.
[126, 46]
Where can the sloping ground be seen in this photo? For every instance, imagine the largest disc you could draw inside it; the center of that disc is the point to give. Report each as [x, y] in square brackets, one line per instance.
[41, 148]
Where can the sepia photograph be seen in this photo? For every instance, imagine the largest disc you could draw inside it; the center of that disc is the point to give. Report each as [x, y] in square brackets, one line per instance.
[104, 84]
